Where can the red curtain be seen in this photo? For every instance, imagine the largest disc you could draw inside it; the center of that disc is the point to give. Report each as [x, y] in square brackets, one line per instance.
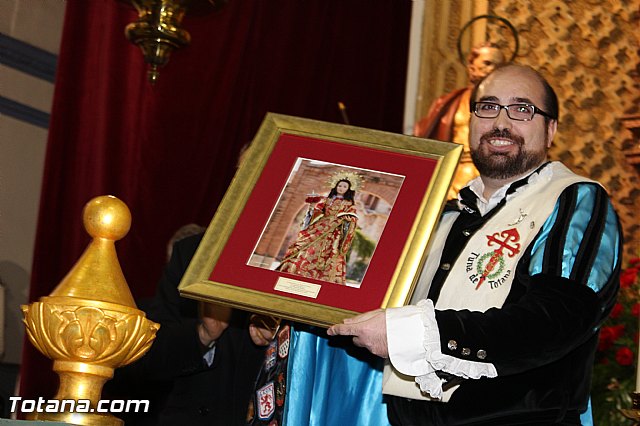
[169, 151]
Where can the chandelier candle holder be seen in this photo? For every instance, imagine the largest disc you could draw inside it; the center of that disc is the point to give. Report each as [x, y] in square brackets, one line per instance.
[158, 30]
[90, 325]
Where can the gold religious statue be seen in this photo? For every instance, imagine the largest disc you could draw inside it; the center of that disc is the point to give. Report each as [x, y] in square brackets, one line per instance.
[448, 116]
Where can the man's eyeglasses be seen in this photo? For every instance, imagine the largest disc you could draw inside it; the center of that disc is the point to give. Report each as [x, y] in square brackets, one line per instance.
[519, 112]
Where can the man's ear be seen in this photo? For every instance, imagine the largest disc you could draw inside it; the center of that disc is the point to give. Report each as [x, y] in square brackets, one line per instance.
[552, 127]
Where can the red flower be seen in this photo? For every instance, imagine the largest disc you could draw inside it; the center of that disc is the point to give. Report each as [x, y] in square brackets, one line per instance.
[605, 340]
[624, 356]
[608, 335]
[635, 310]
[628, 277]
[313, 199]
[616, 311]
[634, 261]
[618, 331]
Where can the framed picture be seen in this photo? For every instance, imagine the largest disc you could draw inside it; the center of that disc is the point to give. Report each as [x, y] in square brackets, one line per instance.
[323, 221]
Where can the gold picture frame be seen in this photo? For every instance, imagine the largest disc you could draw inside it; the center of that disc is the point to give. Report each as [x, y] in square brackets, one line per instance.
[234, 264]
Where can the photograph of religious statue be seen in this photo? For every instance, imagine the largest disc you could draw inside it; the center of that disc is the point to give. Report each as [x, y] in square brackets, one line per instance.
[327, 222]
[326, 235]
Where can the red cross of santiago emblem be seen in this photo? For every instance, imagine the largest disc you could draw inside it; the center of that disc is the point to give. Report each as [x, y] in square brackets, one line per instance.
[506, 241]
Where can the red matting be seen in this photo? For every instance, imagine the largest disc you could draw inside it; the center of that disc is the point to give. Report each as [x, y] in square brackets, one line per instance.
[231, 267]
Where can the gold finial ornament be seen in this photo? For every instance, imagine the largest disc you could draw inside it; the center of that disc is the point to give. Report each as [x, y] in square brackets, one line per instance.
[90, 325]
[356, 180]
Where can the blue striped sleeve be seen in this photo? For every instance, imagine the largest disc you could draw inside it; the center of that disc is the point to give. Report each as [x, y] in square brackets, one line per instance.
[581, 239]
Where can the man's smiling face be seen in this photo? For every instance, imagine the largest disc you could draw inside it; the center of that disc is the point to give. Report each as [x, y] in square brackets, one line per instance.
[503, 148]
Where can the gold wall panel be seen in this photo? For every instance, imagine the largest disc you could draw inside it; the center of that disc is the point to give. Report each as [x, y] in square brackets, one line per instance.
[440, 67]
[589, 52]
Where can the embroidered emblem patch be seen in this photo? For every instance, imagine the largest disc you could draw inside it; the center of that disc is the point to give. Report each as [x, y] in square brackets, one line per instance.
[283, 342]
[270, 356]
[491, 267]
[281, 385]
[266, 401]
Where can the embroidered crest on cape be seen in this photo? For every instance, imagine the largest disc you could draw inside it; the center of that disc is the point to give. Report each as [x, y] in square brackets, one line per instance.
[283, 342]
[270, 355]
[266, 401]
[281, 389]
[490, 267]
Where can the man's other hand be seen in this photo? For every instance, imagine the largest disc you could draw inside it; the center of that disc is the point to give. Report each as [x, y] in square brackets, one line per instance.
[263, 329]
[369, 330]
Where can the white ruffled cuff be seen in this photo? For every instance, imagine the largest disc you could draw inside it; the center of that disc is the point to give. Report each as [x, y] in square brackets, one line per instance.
[406, 351]
[430, 382]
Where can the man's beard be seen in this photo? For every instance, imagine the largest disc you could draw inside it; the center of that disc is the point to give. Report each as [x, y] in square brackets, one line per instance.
[505, 165]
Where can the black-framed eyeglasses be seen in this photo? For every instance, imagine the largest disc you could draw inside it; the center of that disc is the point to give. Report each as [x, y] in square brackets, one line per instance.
[519, 112]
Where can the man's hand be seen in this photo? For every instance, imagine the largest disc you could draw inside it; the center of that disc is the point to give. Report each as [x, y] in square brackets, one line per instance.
[263, 329]
[369, 330]
[214, 319]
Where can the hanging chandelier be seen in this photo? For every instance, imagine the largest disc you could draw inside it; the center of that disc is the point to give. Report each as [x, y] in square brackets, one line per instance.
[158, 29]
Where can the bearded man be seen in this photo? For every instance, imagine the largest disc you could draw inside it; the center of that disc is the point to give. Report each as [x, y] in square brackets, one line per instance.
[523, 270]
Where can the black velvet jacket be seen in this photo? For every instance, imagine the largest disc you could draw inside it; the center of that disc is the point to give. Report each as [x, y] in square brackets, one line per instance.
[543, 339]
